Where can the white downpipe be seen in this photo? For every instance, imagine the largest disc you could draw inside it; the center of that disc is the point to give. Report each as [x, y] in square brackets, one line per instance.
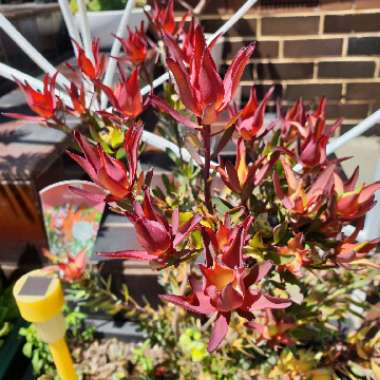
[115, 51]
[356, 131]
[31, 51]
[70, 24]
[372, 220]
[13, 74]
[85, 28]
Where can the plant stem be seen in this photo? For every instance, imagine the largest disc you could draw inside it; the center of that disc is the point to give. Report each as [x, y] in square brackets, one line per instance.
[206, 133]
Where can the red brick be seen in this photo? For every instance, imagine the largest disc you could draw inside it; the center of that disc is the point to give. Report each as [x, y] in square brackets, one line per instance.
[366, 4]
[364, 46]
[313, 47]
[347, 111]
[261, 90]
[244, 27]
[210, 7]
[346, 69]
[334, 5]
[358, 91]
[264, 49]
[287, 26]
[312, 91]
[352, 23]
[279, 71]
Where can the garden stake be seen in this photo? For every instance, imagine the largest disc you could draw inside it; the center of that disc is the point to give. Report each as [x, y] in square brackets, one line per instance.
[39, 297]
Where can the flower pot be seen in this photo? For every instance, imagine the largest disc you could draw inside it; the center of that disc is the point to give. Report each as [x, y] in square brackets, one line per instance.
[105, 23]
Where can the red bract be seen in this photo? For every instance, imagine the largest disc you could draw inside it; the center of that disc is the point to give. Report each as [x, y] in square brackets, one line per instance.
[298, 200]
[106, 171]
[241, 178]
[162, 242]
[162, 16]
[126, 97]
[135, 46]
[92, 68]
[293, 121]
[73, 268]
[353, 203]
[200, 87]
[296, 255]
[349, 252]
[316, 135]
[250, 120]
[44, 104]
[272, 330]
[78, 98]
[226, 283]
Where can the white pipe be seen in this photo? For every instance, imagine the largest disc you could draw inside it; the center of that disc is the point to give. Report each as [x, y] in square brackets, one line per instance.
[30, 50]
[115, 51]
[85, 28]
[372, 220]
[233, 20]
[356, 131]
[223, 29]
[13, 75]
[70, 24]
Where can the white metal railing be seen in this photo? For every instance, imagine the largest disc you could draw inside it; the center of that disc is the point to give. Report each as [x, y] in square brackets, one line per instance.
[83, 38]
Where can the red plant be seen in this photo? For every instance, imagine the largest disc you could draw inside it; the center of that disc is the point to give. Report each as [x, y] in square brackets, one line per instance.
[44, 104]
[299, 201]
[162, 242]
[250, 120]
[350, 252]
[241, 178]
[162, 17]
[296, 254]
[106, 171]
[135, 46]
[226, 282]
[73, 268]
[272, 330]
[315, 135]
[92, 67]
[352, 203]
[78, 98]
[126, 97]
[70, 267]
[200, 86]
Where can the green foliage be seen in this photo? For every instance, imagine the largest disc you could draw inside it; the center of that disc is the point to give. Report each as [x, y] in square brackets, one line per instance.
[93, 292]
[144, 362]
[38, 351]
[8, 312]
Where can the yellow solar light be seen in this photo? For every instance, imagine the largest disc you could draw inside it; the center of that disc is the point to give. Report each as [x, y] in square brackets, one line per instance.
[39, 297]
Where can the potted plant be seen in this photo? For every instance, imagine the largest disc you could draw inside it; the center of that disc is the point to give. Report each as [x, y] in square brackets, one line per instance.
[264, 275]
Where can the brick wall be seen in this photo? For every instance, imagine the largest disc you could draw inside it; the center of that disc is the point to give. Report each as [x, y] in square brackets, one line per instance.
[332, 49]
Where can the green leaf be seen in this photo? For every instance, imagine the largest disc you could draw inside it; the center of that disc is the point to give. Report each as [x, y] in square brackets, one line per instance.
[27, 349]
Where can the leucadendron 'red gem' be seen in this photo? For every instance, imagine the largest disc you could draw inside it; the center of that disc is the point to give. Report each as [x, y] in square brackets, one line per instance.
[111, 174]
[227, 285]
[162, 242]
[201, 89]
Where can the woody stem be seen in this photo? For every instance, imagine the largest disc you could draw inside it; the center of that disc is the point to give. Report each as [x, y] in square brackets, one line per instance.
[206, 132]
